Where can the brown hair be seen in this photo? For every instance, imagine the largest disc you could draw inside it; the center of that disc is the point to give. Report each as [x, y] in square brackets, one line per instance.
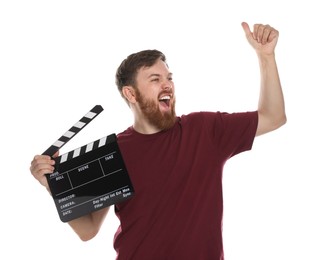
[127, 71]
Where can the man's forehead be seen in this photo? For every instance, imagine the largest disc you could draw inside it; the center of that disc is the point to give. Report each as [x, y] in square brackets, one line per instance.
[159, 68]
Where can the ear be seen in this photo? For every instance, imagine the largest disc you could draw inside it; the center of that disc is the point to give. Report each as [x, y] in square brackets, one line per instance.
[129, 93]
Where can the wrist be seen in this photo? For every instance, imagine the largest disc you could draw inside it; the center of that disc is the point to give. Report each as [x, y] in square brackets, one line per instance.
[266, 58]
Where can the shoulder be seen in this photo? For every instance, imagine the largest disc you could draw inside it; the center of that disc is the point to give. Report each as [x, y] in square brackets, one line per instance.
[198, 116]
[202, 117]
[125, 134]
[220, 119]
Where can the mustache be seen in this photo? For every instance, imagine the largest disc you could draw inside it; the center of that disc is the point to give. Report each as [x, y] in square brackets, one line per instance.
[166, 93]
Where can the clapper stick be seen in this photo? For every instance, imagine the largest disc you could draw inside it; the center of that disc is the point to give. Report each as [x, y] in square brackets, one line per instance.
[76, 128]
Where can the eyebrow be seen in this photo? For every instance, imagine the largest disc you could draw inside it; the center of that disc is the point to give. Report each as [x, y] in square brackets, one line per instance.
[158, 75]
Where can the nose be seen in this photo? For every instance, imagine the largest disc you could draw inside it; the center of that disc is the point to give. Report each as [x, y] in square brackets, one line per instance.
[167, 85]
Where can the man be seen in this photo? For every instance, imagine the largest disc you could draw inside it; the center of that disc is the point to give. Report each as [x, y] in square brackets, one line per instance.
[176, 163]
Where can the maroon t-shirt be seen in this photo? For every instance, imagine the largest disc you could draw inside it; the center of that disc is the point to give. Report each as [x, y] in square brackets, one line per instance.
[176, 212]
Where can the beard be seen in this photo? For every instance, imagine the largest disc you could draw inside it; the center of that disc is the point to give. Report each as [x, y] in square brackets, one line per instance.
[153, 114]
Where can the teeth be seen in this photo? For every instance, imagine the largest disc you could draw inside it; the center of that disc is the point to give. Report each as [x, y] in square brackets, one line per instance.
[165, 98]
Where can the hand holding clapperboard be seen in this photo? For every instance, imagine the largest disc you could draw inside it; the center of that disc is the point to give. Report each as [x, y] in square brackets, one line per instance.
[90, 177]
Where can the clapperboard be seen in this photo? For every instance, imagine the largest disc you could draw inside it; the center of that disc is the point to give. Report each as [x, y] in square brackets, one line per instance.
[90, 177]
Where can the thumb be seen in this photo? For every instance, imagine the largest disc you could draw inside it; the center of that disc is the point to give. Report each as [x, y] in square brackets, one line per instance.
[56, 154]
[246, 29]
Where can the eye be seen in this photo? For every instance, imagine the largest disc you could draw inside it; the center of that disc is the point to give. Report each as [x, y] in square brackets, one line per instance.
[155, 79]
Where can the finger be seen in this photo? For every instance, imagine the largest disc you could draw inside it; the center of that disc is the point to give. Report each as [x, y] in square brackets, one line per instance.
[40, 170]
[265, 34]
[56, 154]
[41, 157]
[41, 164]
[246, 29]
[258, 32]
[273, 34]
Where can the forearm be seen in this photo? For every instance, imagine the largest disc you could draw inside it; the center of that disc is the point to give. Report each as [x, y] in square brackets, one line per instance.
[271, 107]
[87, 227]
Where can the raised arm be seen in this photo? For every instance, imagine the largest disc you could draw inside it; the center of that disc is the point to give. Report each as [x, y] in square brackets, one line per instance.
[271, 107]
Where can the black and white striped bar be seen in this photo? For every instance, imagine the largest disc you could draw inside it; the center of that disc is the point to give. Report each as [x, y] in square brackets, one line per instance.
[84, 149]
[76, 128]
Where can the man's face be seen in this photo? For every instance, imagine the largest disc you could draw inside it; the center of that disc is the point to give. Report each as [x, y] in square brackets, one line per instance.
[155, 95]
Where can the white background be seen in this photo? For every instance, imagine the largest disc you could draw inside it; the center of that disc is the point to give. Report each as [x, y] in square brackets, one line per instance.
[58, 60]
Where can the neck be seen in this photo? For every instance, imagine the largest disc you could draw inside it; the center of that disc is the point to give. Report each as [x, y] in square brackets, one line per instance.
[143, 127]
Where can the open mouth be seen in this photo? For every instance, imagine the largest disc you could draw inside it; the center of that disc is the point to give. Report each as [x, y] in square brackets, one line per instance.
[165, 100]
